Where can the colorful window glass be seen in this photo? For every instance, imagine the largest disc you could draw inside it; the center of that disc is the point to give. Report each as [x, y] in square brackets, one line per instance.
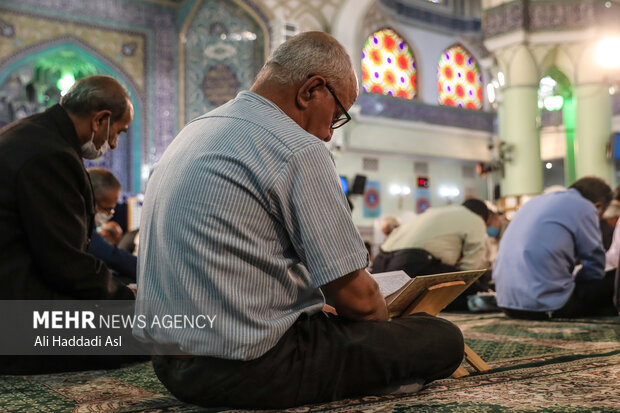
[459, 81]
[388, 66]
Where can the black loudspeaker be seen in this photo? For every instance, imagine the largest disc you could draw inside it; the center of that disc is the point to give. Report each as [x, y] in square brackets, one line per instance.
[497, 192]
[359, 183]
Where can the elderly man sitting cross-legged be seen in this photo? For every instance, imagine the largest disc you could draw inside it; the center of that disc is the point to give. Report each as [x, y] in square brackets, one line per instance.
[244, 219]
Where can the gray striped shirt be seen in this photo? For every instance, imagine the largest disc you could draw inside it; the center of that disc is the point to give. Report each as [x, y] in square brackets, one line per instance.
[244, 219]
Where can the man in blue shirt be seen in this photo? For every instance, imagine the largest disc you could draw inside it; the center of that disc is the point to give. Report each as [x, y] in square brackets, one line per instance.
[540, 249]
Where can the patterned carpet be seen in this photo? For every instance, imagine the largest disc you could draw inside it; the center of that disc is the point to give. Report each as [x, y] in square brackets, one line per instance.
[559, 366]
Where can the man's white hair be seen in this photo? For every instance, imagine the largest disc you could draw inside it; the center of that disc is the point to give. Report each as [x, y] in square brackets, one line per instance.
[309, 53]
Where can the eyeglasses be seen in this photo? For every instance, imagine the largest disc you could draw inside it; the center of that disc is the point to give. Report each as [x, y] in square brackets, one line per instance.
[106, 210]
[336, 123]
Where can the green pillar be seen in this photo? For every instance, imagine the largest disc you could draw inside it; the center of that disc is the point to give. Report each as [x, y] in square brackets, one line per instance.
[568, 113]
[592, 131]
[523, 174]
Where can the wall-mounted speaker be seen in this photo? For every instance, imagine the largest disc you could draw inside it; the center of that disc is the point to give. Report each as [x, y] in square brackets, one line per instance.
[359, 183]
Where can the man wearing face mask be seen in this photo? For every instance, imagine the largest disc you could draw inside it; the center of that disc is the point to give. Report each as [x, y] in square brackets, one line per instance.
[47, 205]
[494, 228]
[107, 191]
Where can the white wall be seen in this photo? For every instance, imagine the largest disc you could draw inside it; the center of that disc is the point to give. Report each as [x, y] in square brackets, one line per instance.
[374, 134]
[399, 169]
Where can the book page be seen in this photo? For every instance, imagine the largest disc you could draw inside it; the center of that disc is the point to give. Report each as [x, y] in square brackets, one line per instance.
[402, 299]
[390, 282]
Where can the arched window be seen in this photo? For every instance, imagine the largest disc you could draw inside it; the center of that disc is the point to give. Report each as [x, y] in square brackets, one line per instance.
[458, 79]
[388, 66]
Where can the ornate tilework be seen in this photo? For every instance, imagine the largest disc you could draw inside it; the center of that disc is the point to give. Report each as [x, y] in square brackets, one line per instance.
[375, 19]
[129, 49]
[504, 19]
[543, 16]
[220, 40]
[156, 26]
[560, 15]
[406, 10]
[6, 29]
[103, 40]
[320, 10]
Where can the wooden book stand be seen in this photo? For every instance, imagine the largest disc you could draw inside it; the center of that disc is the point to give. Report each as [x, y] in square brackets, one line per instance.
[431, 294]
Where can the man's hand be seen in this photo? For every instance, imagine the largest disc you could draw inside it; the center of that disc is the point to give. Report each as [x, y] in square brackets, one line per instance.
[328, 309]
[356, 296]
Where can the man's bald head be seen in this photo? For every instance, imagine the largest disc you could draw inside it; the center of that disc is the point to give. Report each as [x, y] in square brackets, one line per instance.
[310, 77]
[96, 93]
[309, 53]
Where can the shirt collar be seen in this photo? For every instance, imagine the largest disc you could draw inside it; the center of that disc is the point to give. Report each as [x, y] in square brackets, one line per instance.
[256, 98]
[65, 125]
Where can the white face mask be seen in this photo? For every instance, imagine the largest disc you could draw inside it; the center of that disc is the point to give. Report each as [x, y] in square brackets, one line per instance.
[89, 151]
[102, 217]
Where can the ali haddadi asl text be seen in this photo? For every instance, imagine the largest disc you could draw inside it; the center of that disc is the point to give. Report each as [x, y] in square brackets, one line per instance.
[75, 341]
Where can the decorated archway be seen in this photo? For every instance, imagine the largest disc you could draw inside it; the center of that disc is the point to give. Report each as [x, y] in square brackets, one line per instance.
[19, 70]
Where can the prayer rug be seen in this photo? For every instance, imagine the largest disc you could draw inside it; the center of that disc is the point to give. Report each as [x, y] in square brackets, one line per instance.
[546, 366]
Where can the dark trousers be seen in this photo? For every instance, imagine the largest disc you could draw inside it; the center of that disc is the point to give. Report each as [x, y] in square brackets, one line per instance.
[590, 298]
[416, 261]
[413, 261]
[320, 359]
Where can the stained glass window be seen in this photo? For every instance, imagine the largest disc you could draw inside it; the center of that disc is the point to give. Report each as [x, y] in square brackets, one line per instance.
[459, 81]
[388, 66]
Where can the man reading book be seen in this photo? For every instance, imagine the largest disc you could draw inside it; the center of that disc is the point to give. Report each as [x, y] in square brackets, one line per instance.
[244, 218]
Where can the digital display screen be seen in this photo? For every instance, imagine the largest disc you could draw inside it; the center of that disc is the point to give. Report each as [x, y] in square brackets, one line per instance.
[423, 182]
[344, 183]
[616, 145]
